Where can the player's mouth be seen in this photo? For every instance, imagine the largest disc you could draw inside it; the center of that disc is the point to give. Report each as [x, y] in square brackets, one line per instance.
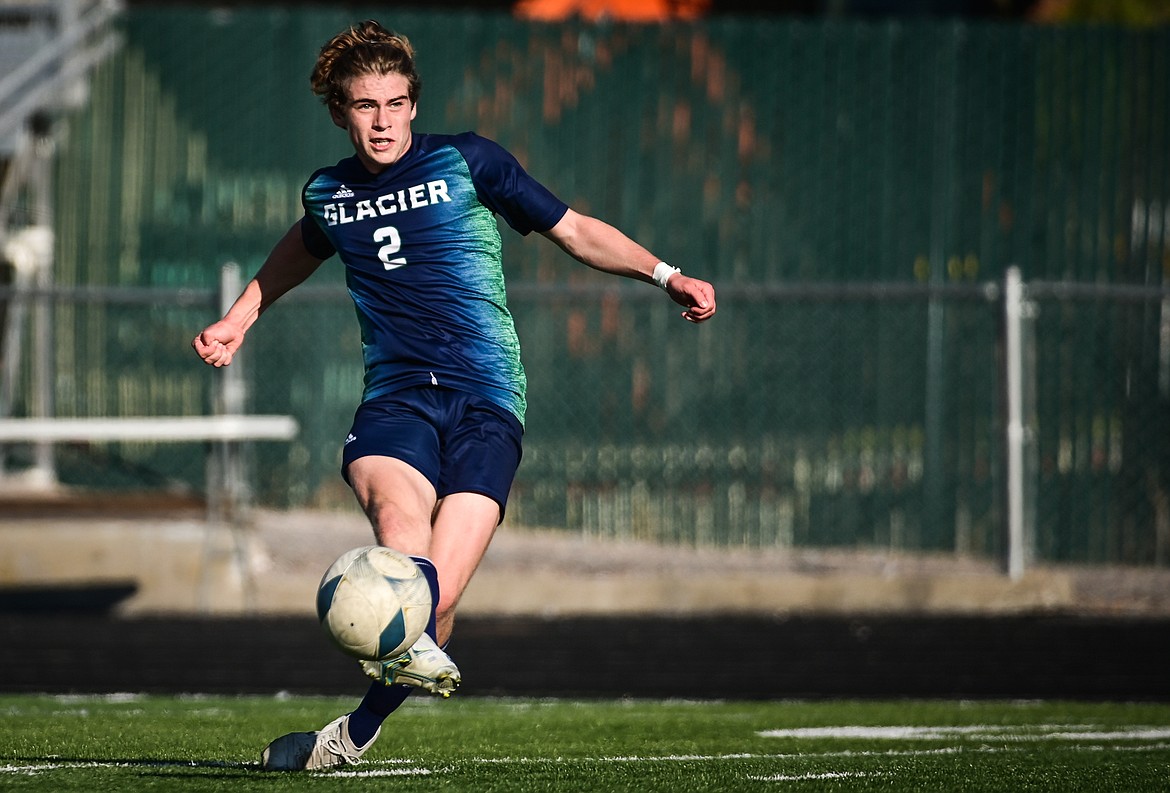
[381, 144]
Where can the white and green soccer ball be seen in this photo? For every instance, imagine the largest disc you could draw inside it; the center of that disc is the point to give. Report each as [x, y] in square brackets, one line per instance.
[374, 603]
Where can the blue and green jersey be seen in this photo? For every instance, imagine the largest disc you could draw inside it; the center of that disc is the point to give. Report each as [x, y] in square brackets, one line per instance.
[423, 264]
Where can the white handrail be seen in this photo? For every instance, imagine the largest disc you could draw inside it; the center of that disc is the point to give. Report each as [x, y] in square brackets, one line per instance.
[158, 429]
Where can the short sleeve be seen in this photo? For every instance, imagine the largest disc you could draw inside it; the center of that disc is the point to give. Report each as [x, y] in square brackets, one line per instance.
[506, 188]
[314, 239]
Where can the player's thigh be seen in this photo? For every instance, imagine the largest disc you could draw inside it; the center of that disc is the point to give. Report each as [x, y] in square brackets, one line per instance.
[398, 500]
[463, 529]
[481, 451]
[405, 425]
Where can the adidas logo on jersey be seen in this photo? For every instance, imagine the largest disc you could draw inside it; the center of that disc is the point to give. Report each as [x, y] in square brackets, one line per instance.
[343, 192]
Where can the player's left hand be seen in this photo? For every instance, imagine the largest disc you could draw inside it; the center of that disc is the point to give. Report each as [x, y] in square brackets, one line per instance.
[696, 296]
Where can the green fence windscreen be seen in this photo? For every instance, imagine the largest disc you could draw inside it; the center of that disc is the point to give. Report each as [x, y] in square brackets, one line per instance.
[769, 156]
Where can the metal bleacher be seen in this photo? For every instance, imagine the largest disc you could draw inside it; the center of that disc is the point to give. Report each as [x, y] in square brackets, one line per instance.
[46, 50]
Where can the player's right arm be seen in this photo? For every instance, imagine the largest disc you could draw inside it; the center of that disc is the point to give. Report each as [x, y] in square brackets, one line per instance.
[288, 265]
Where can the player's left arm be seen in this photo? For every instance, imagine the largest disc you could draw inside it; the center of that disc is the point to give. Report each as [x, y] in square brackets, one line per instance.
[605, 248]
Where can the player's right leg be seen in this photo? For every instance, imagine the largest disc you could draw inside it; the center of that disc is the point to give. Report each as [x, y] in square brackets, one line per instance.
[391, 492]
[400, 501]
[424, 665]
[344, 740]
[463, 528]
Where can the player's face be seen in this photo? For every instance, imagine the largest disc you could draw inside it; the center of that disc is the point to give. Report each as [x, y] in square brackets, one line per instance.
[377, 117]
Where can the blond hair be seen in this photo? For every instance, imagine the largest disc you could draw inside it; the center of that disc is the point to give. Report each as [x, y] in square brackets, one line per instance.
[364, 48]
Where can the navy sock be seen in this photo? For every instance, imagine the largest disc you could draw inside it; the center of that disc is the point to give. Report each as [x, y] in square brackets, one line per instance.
[382, 700]
[379, 702]
[431, 573]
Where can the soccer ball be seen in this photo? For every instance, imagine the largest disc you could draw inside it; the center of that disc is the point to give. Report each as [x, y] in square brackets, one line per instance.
[374, 603]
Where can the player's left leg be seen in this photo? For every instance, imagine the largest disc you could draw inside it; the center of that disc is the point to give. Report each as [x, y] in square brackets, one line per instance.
[463, 529]
[480, 459]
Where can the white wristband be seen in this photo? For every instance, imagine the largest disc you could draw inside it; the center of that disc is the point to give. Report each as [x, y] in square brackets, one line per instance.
[662, 273]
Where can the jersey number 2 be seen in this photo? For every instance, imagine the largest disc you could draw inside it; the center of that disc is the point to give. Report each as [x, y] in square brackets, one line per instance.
[390, 236]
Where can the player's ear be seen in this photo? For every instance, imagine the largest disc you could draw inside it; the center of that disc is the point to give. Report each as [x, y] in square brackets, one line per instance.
[338, 117]
[413, 110]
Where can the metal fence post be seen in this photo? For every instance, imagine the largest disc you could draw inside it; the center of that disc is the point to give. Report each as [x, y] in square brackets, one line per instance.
[226, 488]
[228, 491]
[1018, 436]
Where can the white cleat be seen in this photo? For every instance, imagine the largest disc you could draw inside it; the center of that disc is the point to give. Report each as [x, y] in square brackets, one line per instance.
[309, 751]
[424, 665]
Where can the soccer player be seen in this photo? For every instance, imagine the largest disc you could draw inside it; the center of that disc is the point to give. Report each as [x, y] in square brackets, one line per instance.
[435, 441]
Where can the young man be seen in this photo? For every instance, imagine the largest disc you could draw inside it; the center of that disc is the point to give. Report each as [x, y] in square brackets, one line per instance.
[435, 442]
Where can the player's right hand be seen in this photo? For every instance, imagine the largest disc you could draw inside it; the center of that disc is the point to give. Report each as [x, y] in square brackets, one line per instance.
[217, 344]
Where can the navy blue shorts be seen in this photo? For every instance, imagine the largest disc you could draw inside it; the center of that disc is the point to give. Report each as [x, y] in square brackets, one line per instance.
[460, 442]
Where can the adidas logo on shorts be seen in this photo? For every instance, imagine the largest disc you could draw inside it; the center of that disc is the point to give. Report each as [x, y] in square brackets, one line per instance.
[350, 439]
[343, 192]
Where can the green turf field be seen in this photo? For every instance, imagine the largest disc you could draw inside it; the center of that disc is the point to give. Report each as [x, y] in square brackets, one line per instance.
[130, 743]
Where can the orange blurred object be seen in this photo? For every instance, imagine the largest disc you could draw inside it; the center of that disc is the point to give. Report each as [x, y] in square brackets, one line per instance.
[627, 10]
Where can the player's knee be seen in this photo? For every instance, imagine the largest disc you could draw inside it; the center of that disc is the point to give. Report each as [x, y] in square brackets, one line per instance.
[445, 609]
[396, 529]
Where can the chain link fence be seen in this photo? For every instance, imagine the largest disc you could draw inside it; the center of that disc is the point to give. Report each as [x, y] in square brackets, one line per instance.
[857, 192]
[840, 415]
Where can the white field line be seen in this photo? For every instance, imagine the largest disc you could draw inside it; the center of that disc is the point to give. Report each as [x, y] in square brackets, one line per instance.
[377, 772]
[706, 758]
[802, 777]
[984, 732]
[32, 769]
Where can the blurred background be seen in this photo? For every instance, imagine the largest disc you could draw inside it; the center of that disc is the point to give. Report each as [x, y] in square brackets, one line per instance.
[939, 231]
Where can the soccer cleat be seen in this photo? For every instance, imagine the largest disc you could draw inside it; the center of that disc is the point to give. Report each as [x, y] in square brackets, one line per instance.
[309, 751]
[424, 665]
